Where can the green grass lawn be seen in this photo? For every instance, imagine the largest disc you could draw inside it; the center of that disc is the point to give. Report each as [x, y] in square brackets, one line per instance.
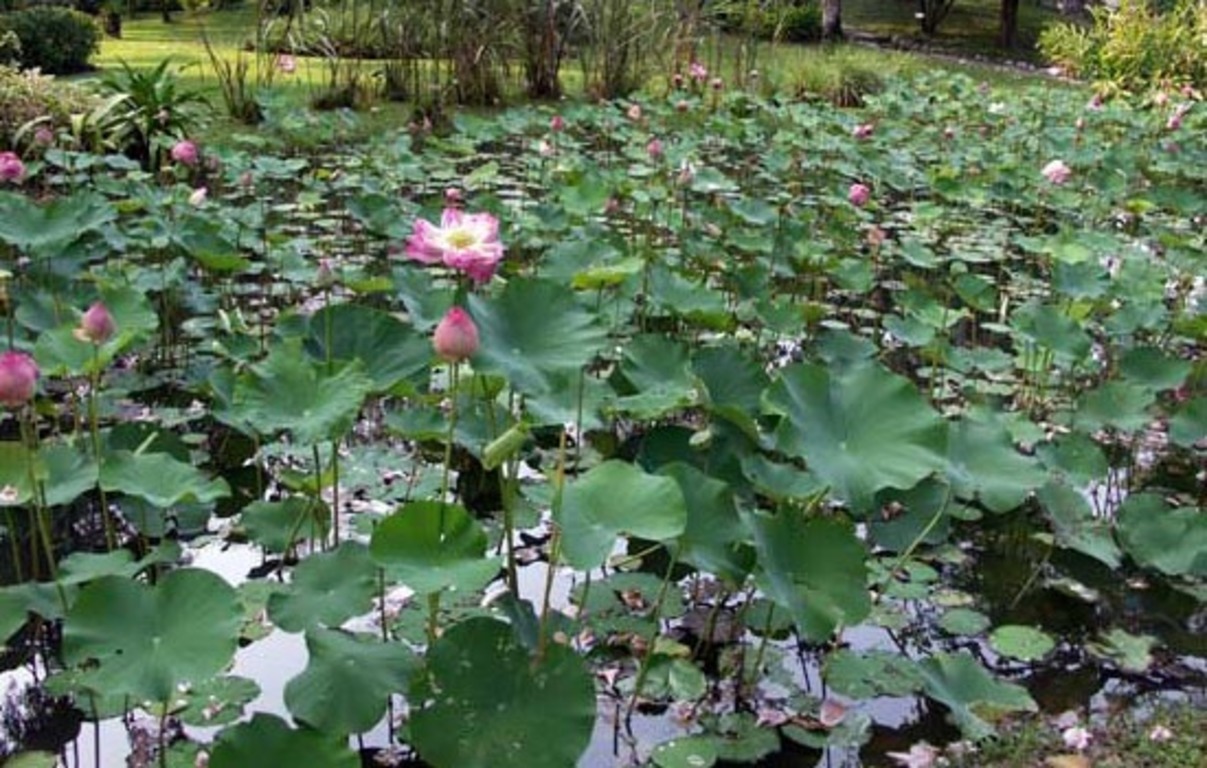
[147, 40]
[971, 27]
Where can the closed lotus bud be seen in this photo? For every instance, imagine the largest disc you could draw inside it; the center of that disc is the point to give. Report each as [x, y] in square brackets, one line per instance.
[634, 112]
[452, 196]
[557, 124]
[859, 195]
[185, 153]
[11, 167]
[197, 199]
[18, 378]
[324, 277]
[456, 336]
[97, 325]
[654, 148]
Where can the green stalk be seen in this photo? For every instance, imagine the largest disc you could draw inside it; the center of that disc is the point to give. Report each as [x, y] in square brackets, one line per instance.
[38, 499]
[644, 670]
[433, 600]
[94, 426]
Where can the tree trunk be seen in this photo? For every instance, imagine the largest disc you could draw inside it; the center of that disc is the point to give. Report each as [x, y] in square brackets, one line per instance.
[1009, 25]
[831, 19]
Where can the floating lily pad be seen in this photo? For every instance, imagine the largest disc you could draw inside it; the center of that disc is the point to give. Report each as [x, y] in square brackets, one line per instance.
[687, 752]
[267, 741]
[1019, 642]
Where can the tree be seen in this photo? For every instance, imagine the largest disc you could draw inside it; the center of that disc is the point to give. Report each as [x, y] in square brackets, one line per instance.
[831, 19]
[1008, 30]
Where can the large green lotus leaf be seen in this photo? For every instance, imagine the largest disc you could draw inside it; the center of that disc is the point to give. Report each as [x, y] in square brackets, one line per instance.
[814, 568]
[1075, 456]
[496, 707]
[275, 525]
[1188, 425]
[1047, 327]
[1174, 541]
[860, 431]
[390, 350]
[29, 226]
[613, 499]
[983, 463]
[1121, 405]
[534, 331]
[158, 479]
[1021, 642]
[327, 588]
[913, 519]
[960, 683]
[430, 546]
[64, 472]
[267, 741]
[1153, 368]
[288, 391]
[218, 701]
[871, 673]
[148, 639]
[1075, 525]
[715, 540]
[654, 377]
[733, 383]
[347, 681]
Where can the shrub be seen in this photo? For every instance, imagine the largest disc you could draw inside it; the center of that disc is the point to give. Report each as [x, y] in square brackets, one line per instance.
[1134, 47]
[28, 96]
[55, 40]
[794, 24]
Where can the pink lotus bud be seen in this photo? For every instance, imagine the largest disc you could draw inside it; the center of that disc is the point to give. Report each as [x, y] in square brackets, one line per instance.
[557, 124]
[287, 64]
[197, 199]
[876, 237]
[11, 167]
[654, 148]
[246, 180]
[1080, 124]
[97, 325]
[949, 133]
[18, 378]
[717, 83]
[687, 173]
[544, 148]
[859, 195]
[1174, 122]
[863, 131]
[185, 153]
[456, 336]
[44, 137]
[634, 112]
[677, 80]
[1057, 172]
[612, 206]
[452, 196]
[682, 105]
[698, 72]
[1161, 98]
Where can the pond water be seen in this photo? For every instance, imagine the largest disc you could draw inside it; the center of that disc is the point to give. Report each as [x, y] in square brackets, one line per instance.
[1069, 679]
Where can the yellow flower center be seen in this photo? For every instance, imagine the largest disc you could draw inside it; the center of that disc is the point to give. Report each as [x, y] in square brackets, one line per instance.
[460, 239]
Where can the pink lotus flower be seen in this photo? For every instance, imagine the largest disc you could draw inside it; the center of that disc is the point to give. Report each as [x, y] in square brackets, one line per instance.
[654, 148]
[634, 112]
[1057, 172]
[1160, 733]
[466, 242]
[185, 153]
[44, 137]
[863, 131]
[18, 378]
[859, 195]
[96, 326]
[452, 196]
[287, 64]
[557, 124]
[698, 72]
[456, 336]
[11, 167]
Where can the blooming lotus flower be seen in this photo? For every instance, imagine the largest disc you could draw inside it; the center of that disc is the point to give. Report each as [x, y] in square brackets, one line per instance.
[185, 153]
[456, 336]
[557, 124]
[96, 326]
[698, 72]
[18, 378]
[466, 242]
[1057, 172]
[11, 167]
[859, 194]
[654, 148]
[287, 64]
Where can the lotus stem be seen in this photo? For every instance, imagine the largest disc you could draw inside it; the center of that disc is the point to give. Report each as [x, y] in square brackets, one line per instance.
[94, 426]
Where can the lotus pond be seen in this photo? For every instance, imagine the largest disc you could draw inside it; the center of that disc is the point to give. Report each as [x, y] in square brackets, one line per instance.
[779, 434]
